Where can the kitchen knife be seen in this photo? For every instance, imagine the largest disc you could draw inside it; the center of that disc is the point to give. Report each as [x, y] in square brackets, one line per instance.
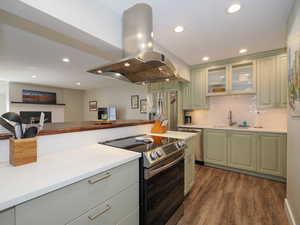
[8, 126]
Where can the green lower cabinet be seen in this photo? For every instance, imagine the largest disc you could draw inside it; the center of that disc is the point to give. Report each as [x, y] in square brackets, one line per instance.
[263, 153]
[215, 147]
[242, 151]
[271, 155]
[7, 217]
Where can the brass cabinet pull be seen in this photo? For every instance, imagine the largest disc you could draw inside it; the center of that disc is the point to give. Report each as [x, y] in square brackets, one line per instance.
[107, 175]
[100, 213]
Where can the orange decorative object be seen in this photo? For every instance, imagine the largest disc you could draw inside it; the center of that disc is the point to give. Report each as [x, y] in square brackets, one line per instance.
[158, 128]
[157, 140]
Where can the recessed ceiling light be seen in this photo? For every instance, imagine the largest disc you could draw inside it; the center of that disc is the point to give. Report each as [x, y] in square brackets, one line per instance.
[243, 50]
[34, 76]
[234, 8]
[205, 58]
[139, 35]
[127, 64]
[78, 83]
[66, 60]
[179, 29]
[99, 71]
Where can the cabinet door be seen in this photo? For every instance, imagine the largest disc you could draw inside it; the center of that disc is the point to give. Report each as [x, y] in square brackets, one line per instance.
[242, 78]
[270, 154]
[217, 81]
[215, 147]
[242, 150]
[75, 199]
[132, 219]
[266, 76]
[199, 98]
[113, 211]
[7, 217]
[187, 96]
[282, 81]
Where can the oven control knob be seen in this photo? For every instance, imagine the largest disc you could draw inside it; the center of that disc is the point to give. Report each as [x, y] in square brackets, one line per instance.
[153, 155]
[181, 144]
[160, 153]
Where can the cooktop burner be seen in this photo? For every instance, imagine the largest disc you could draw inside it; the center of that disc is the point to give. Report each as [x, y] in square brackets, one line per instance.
[154, 149]
[137, 144]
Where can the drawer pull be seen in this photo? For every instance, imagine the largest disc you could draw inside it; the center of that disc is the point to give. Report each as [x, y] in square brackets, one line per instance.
[100, 213]
[100, 179]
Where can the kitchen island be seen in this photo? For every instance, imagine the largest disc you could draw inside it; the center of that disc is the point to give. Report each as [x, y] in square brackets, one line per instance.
[75, 178]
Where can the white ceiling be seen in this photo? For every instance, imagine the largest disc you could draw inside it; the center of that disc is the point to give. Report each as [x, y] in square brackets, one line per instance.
[209, 31]
[260, 25]
[24, 54]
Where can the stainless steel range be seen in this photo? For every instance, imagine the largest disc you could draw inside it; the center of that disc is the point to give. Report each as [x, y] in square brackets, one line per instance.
[161, 176]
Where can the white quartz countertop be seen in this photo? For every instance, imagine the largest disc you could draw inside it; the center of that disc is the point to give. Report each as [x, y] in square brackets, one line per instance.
[176, 134]
[250, 129]
[54, 171]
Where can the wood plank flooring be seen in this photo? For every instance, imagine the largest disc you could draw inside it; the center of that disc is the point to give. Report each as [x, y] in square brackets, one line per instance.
[221, 197]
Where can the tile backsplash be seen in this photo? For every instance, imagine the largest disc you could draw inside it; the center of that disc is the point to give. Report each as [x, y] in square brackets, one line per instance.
[243, 109]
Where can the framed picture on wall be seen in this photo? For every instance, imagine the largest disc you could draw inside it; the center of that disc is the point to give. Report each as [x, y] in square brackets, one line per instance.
[135, 101]
[92, 105]
[143, 107]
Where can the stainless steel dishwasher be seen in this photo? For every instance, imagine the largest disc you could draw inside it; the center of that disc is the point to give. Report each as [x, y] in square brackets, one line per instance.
[199, 155]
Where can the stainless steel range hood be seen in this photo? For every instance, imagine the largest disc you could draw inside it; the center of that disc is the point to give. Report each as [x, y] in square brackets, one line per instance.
[140, 63]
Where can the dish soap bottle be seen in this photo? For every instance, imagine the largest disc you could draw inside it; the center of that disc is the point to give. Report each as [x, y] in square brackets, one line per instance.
[257, 123]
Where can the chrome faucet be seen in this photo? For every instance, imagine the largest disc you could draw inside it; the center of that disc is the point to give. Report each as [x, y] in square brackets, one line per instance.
[230, 122]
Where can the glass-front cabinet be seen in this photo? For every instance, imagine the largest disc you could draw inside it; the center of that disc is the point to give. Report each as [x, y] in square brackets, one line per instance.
[236, 78]
[242, 78]
[217, 80]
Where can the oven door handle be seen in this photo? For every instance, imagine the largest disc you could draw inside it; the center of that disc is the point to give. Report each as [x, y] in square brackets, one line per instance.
[165, 167]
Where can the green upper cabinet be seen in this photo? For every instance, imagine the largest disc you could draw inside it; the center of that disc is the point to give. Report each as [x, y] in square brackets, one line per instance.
[187, 96]
[199, 98]
[194, 93]
[272, 81]
[242, 78]
[282, 81]
[266, 71]
[217, 80]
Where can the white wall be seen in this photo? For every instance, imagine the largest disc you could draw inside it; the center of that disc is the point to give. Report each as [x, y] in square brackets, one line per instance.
[3, 101]
[243, 108]
[293, 152]
[120, 96]
[73, 111]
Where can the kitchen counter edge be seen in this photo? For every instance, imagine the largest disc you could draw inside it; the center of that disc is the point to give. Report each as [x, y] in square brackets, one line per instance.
[263, 130]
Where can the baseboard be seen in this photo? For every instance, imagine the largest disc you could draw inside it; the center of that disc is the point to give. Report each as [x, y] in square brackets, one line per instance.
[251, 173]
[289, 212]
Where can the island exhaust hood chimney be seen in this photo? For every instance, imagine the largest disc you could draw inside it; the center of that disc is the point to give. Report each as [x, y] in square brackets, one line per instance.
[140, 63]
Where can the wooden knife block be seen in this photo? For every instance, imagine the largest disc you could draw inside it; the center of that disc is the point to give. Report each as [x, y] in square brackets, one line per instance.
[22, 151]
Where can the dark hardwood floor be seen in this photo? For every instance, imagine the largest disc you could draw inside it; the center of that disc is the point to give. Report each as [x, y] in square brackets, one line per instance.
[226, 198]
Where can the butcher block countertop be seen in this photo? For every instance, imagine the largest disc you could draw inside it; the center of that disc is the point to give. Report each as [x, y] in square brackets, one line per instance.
[69, 127]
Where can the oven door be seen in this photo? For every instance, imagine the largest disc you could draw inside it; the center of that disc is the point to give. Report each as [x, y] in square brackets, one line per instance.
[163, 191]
